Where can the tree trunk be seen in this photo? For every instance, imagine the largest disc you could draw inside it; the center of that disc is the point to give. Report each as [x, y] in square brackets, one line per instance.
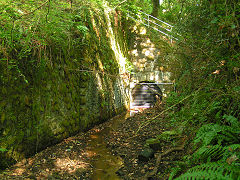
[155, 8]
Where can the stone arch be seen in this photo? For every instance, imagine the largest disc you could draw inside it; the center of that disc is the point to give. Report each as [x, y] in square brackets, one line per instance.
[145, 94]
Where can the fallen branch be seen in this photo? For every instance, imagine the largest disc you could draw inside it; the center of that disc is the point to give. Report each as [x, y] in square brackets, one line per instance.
[120, 4]
[154, 171]
[150, 120]
[145, 123]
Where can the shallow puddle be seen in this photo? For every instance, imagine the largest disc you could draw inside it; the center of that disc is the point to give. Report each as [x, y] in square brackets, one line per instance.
[105, 164]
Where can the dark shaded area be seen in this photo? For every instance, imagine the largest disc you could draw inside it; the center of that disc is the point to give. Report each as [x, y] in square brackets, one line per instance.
[5, 161]
[145, 94]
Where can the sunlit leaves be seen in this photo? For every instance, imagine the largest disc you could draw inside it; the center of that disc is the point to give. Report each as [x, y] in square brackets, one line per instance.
[82, 29]
[3, 150]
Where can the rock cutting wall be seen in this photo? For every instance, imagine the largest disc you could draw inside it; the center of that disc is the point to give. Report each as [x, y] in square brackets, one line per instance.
[66, 94]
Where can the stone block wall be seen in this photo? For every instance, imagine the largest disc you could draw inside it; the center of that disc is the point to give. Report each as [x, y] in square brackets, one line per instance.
[63, 94]
[145, 54]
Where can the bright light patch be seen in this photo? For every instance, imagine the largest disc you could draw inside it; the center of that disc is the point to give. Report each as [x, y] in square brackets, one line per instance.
[99, 81]
[114, 44]
[69, 165]
[143, 31]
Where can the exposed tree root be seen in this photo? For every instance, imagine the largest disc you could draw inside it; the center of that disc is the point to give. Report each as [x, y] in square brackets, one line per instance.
[154, 171]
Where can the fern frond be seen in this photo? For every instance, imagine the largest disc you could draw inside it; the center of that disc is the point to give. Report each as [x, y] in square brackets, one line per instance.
[202, 175]
[232, 120]
[233, 147]
[208, 153]
[215, 133]
[231, 154]
[212, 171]
[174, 172]
[207, 133]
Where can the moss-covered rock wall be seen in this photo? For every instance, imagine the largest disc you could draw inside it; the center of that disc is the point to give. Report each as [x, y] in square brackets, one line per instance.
[58, 89]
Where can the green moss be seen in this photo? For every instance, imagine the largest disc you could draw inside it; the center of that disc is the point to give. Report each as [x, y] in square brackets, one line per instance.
[77, 122]
[83, 84]
[82, 91]
[65, 123]
[84, 121]
[4, 90]
[69, 105]
[20, 136]
[31, 139]
[57, 101]
[75, 128]
[11, 140]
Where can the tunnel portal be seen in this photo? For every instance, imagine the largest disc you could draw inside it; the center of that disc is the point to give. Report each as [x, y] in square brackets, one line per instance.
[145, 95]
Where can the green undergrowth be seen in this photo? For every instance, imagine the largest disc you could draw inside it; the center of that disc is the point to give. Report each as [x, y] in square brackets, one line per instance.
[209, 117]
[205, 107]
[34, 32]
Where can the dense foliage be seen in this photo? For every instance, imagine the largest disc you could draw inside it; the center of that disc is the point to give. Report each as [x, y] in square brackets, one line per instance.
[205, 65]
[34, 28]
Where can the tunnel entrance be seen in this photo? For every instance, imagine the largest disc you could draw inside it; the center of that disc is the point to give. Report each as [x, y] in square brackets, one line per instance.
[145, 95]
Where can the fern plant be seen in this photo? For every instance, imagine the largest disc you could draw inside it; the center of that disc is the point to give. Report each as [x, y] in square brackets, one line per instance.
[219, 152]
[219, 142]
[211, 134]
[208, 154]
[212, 170]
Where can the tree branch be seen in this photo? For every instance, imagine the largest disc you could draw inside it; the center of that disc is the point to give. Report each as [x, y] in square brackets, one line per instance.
[154, 171]
[35, 9]
[120, 4]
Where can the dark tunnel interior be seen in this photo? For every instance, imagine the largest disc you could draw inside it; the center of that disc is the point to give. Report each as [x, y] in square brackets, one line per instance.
[145, 94]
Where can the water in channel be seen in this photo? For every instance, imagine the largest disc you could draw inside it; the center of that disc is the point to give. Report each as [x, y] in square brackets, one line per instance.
[105, 164]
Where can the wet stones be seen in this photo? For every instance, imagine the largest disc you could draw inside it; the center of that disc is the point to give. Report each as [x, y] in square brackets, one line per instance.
[146, 154]
[153, 144]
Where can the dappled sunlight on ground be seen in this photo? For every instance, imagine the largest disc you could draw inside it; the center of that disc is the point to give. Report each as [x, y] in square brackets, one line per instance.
[69, 165]
[18, 171]
[90, 153]
[101, 153]
[82, 156]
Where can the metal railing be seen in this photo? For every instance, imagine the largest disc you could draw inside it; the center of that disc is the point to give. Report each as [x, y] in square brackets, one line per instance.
[154, 23]
[156, 83]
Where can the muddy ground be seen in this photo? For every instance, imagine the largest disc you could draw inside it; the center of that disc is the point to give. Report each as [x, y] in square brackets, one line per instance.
[111, 150]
